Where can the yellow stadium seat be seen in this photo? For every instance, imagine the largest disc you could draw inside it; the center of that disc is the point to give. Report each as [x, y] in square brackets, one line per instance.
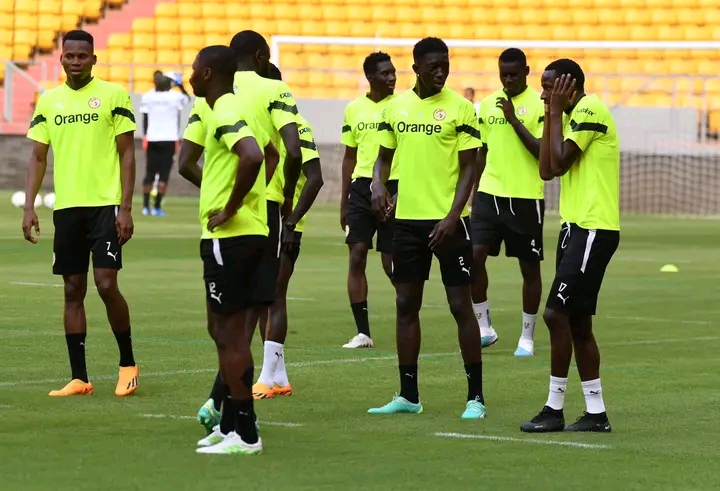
[69, 22]
[120, 40]
[47, 39]
[214, 26]
[215, 39]
[21, 52]
[143, 56]
[116, 3]
[167, 25]
[280, 11]
[696, 33]
[165, 10]
[213, 10]
[50, 7]
[73, 7]
[190, 26]
[143, 25]
[143, 41]
[188, 11]
[26, 7]
[92, 10]
[191, 42]
[25, 22]
[118, 55]
[643, 33]
[101, 71]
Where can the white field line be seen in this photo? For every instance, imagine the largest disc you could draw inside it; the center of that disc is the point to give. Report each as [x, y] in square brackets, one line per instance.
[344, 361]
[521, 440]
[267, 423]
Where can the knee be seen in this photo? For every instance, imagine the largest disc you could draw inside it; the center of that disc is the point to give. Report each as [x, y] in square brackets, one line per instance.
[75, 291]
[459, 307]
[530, 272]
[358, 258]
[557, 324]
[106, 287]
[407, 305]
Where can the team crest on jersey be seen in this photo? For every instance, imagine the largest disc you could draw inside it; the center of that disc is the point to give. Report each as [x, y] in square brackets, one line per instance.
[522, 110]
[439, 114]
[94, 103]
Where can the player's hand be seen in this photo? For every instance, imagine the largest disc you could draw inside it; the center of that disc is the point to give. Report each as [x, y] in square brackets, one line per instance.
[343, 215]
[390, 214]
[563, 93]
[507, 107]
[288, 237]
[443, 231]
[380, 200]
[217, 218]
[124, 226]
[30, 222]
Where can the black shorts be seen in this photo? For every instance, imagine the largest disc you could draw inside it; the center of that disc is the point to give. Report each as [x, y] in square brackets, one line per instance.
[82, 231]
[412, 256]
[582, 258]
[270, 262]
[516, 221]
[230, 271]
[160, 157]
[362, 222]
[295, 253]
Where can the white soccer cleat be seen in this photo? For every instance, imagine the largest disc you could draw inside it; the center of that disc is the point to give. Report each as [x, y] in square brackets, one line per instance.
[212, 439]
[233, 444]
[359, 341]
[488, 336]
[525, 347]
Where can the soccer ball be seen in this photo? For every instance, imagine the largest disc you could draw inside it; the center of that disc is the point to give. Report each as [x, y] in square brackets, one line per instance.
[18, 199]
[49, 200]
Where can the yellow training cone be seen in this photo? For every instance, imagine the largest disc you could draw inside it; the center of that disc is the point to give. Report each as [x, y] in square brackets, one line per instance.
[669, 268]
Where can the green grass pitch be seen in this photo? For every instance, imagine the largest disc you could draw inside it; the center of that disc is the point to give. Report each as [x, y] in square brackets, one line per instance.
[657, 332]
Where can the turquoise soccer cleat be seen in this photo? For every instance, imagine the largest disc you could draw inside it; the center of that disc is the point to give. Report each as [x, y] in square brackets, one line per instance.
[474, 410]
[208, 416]
[398, 405]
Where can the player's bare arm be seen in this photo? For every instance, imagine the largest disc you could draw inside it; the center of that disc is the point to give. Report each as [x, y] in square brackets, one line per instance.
[293, 162]
[479, 169]
[251, 159]
[445, 228]
[313, 173]
[190, 153]
[529, 141]
[563, 153]
[126, 151]
[381, 202]
[33, 181]
[348, 167]
[272, 159]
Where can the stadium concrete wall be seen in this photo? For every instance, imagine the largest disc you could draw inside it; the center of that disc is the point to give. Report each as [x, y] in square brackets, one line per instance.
[663, 168]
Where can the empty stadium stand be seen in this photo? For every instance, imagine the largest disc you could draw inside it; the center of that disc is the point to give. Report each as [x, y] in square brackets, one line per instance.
[170, 37]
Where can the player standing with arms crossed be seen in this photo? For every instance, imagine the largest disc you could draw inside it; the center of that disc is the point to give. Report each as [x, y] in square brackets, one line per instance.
[509, 206]
[90, 125]
[580, 146]
[433, 131]
[357, 219]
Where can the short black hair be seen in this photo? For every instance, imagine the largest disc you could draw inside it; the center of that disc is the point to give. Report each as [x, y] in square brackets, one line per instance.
[566, 66]
[220, 59]
[370, 65]
[79, 35]
[247, 43]
[274, 72]
[513, 55]
[429, 45]
[157, 72]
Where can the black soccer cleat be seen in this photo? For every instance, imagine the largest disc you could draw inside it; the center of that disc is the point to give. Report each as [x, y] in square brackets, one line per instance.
[597, 423]
[547, 420]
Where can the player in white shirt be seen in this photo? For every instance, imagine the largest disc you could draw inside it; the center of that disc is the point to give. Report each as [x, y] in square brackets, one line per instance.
[161, 108]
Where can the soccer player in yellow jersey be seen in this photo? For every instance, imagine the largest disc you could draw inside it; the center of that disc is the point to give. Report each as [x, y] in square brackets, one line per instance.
[359, 135]
[580, 146]
[276, 111]
[433, 132]
[234, 238]
[274, 375]
[90, 125]
[509, 205]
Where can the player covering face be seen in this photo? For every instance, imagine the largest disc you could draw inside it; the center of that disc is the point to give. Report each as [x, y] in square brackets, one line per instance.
[433, 131]
[360, 137]
[580, 146]
[90, 125]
